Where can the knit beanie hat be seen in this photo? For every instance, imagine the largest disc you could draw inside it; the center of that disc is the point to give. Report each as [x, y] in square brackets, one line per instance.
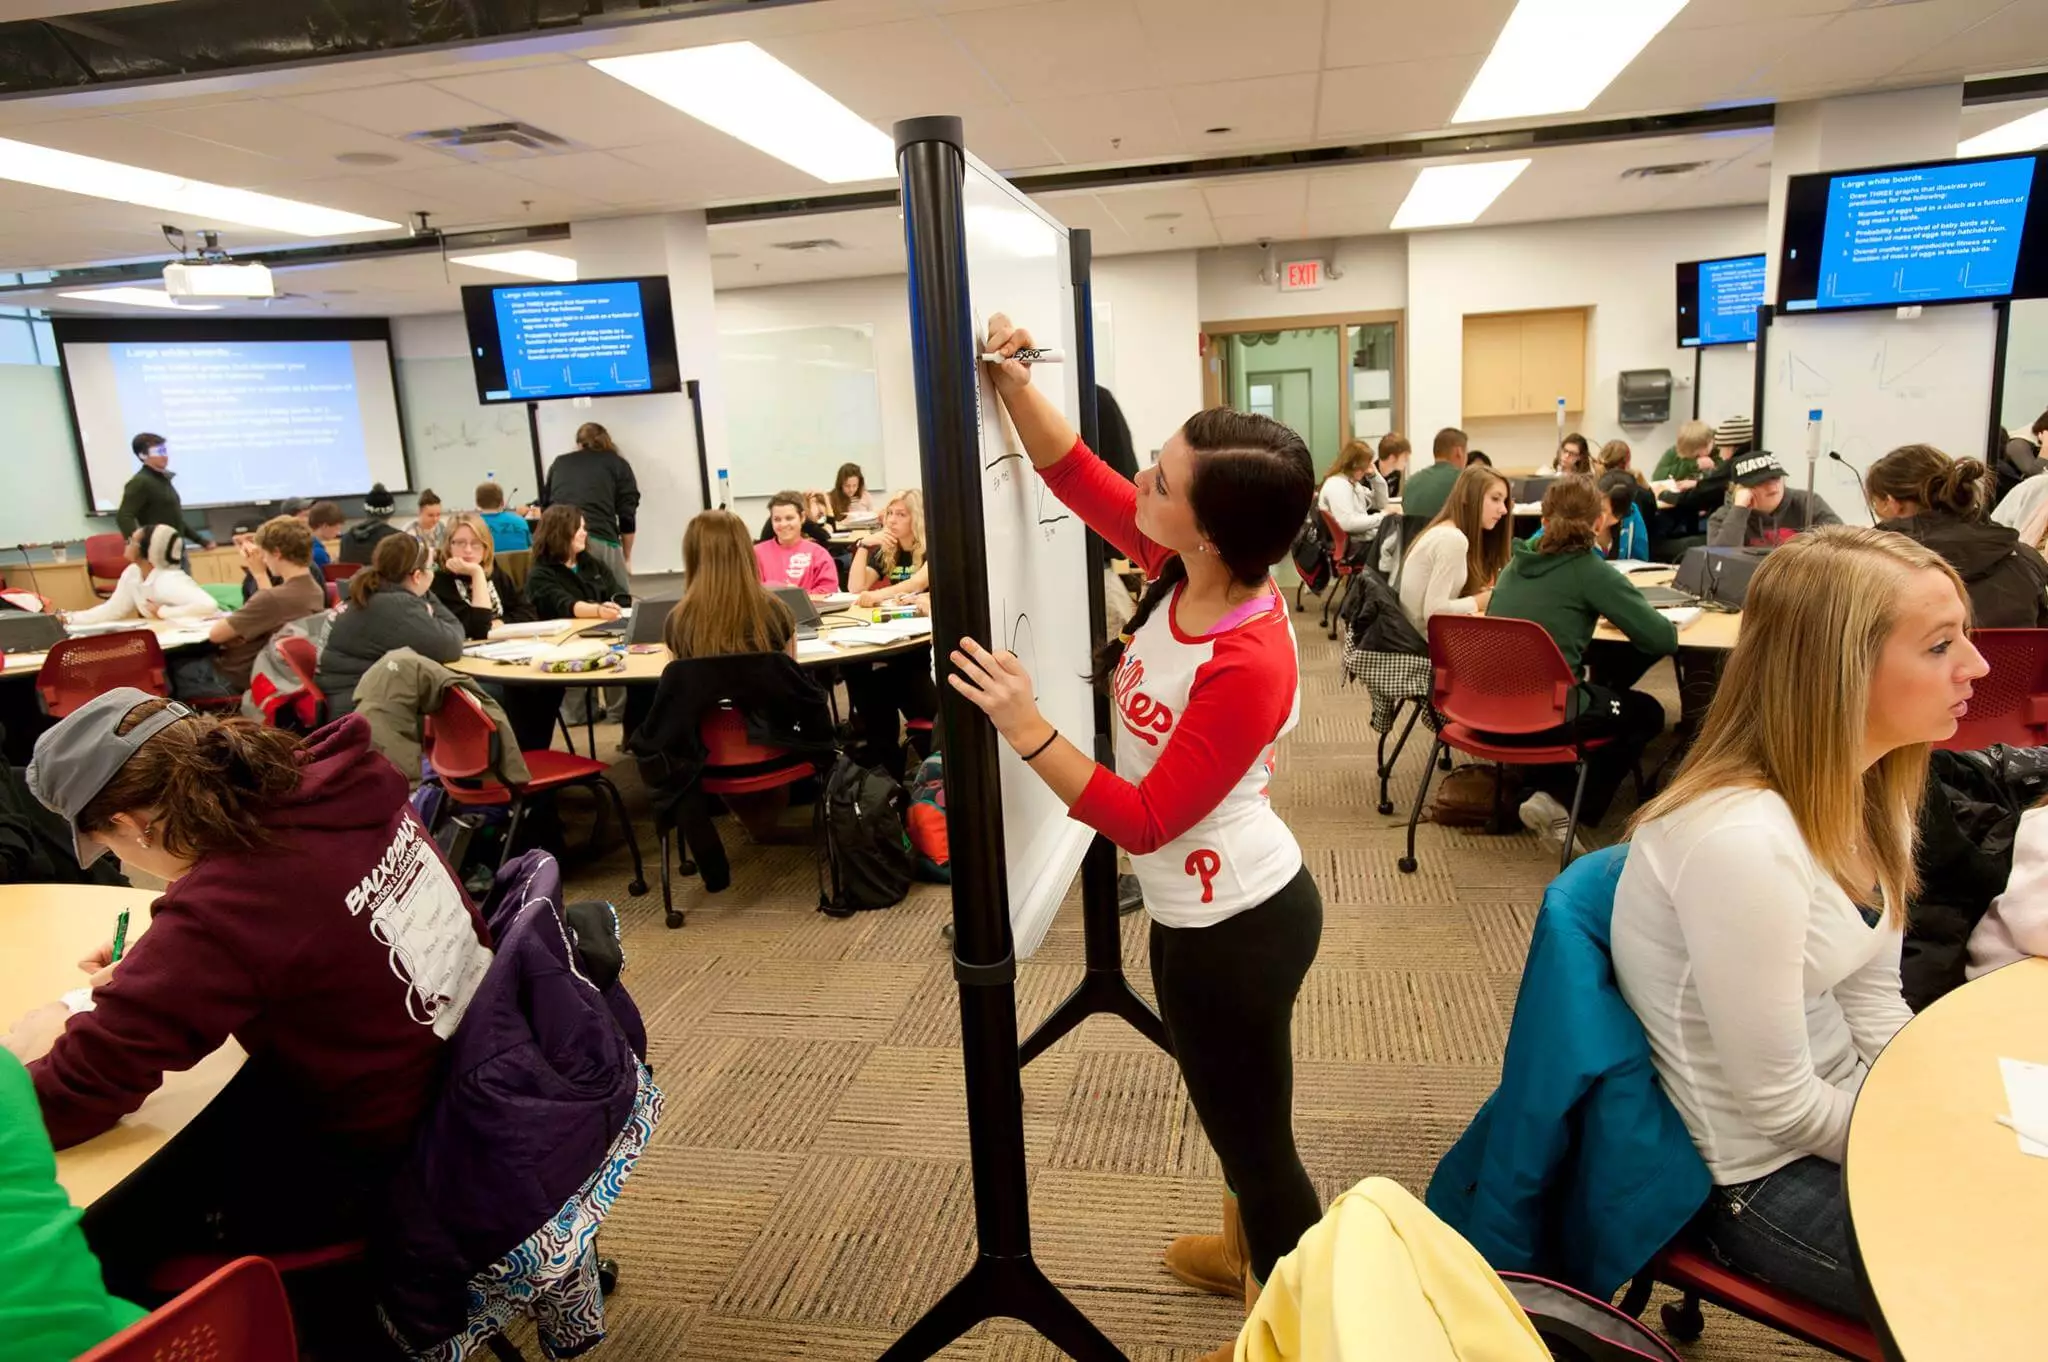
[379, 501]
[1736, 430]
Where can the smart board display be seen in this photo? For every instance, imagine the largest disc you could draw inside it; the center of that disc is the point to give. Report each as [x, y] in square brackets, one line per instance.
[590, 338]
[1718, 299]
[1946, 232]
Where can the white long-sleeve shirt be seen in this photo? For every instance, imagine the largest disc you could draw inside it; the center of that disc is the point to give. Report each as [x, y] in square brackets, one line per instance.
[1763, 991]
[1353, 505]
[170, 590]
[2017, 924]
[1433, 577]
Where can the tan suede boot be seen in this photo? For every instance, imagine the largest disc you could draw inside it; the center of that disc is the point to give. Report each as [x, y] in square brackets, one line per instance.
[1212, 1262]
[1228, 1352]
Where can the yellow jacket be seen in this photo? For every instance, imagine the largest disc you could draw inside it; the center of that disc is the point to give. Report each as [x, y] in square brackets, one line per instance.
[1380, 1279]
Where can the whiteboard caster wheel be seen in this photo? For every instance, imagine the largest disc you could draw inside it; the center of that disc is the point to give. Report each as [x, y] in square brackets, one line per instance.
[1407, 864]
[1386, 807]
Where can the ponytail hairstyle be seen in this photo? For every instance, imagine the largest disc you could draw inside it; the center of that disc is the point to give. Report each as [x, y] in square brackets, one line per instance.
[1614, 457]
[396, 557]
[1251, 481]
[1571, 515]
[208, 782]
[1931, 480]
[591, 435]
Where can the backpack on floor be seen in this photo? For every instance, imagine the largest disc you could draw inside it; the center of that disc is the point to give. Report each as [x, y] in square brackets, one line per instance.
[1312, 554]
[867, 861]
[1580, 1328]
[927, 821]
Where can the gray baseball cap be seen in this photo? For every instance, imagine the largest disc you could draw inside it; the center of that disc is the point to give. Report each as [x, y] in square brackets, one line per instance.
[74, 760]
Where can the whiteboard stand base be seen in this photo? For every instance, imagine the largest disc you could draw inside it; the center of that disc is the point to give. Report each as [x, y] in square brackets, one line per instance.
[1103, 989]
[1004, 1288]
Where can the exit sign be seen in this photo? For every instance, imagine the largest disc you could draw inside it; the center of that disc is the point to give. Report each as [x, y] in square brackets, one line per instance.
[1301, 274]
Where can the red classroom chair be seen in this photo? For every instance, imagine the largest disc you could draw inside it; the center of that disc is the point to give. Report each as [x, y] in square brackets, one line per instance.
[2010, 703]
[734, 764]
[458, 748]
[1500, 676]
[1698, 1277]
[77, 669]
[1341, 565]
[238, 1314]
[103, 561]
[341, 572]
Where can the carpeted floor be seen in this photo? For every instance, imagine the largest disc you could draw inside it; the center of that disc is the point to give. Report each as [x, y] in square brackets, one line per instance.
[808, 1195]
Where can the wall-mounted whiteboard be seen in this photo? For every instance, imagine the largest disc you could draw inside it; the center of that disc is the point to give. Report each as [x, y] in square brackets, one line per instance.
[457, 441]
[1018, 264]
[1879, 382]
[799, 403]
[2026, 365]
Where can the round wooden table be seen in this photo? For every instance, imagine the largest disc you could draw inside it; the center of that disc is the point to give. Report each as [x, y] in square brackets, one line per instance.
[645, 668]
[1714, 631]
[48, 929]
[1948, 1219]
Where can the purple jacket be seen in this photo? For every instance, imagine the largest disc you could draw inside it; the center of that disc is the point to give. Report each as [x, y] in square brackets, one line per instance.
[541, 1077]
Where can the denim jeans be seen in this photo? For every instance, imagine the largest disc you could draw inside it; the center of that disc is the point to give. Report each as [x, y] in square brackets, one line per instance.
[1788, 1229]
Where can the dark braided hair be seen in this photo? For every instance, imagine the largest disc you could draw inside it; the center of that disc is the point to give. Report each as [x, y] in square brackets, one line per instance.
[1251, 481]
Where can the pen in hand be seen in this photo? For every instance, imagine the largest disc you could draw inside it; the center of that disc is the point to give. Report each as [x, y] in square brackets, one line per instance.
[120, 937]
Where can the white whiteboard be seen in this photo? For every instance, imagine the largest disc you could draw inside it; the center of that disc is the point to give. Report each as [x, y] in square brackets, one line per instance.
[2026, 364]
[1879, 383]
[800, 402]
[1727, 382]
[1017, 264]
[457, 441]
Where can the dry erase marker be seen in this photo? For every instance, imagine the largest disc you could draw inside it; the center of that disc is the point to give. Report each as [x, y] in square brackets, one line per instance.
[120, 936]
[1030, 355]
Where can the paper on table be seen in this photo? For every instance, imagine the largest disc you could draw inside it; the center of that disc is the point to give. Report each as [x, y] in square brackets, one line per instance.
[814, 647]
[531, 629]
[1680, 615]
[2026, 1097]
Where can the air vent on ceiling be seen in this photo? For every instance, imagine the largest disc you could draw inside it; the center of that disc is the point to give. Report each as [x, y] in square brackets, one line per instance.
[816, 243]
[492, 141]
[1661, 172]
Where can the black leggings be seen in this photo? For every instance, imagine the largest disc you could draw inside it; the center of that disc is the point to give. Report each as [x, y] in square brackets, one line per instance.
[1630, 717]
[882, 690]
[1226, 994]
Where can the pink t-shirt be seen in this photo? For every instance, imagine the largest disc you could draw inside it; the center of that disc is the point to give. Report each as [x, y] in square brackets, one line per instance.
[803, 564]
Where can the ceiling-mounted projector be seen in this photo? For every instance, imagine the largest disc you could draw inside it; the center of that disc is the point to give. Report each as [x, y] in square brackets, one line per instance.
[188, 280]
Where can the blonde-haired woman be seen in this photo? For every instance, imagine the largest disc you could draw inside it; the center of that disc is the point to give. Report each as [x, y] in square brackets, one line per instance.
[1453, 564]
[1757, 924]
[471, 584]
[889, 568]
[889, 564]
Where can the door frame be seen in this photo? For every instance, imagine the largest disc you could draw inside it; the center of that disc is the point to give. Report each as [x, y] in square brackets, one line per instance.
[1212, 379]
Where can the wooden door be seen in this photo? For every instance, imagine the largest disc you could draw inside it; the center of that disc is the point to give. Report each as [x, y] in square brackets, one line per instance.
[1493, 365]
[1553, 360]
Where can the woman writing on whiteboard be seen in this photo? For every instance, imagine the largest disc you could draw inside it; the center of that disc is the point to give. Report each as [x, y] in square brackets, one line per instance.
[1205, 682]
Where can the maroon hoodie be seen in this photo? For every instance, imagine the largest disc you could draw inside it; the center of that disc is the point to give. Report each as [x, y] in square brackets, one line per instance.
[343, 953]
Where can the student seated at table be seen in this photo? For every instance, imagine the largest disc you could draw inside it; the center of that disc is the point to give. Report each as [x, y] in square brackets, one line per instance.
[849, 495]
[1920, 492]
[1559, 581]
[890, 562]
[391, 605]
[790, 555]
[428, 526]
[2016, 924]
[1763, 512]
[301, 509]
[1391, 462]
[567, 581]
[1353, 493]
[325, 520]
[472, 585]
[1574, 455]
[814, 524]
[1757, 924]
[310, 917]
[1699, 489]
[1618, 535]
[281, 556]
[53, 1304]
[509, 530]
[1424, 493]
[154, 585]
[361, 540]
[1451, 566]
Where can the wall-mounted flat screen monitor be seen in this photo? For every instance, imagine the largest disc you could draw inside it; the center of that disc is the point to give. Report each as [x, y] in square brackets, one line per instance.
[590, 338]
[1718, 299]
[1943, 232]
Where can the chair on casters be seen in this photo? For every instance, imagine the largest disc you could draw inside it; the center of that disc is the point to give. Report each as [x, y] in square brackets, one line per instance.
[458, 747]
[735, 765]
[77, 669]
[1341, 568]
[1698, 1277]
[1500, 676]
[104, 562]
[237, 1314]
[2010, 703]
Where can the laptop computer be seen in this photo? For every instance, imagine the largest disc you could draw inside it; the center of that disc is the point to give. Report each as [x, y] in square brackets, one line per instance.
[650, 619]
[1666, 596]
[801, 606]
[24, 632]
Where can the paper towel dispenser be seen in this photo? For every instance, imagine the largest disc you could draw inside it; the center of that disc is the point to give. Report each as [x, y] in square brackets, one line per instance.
[1645, 396]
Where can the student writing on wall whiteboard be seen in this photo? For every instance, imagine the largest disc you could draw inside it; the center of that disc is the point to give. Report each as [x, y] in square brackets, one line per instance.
[1205, 682]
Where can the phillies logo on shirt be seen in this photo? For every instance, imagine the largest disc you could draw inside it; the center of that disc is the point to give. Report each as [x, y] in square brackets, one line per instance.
[1205, 863]
[1144, 717]
[799, 564]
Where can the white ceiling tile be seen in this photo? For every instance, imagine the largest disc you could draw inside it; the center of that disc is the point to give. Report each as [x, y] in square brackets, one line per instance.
[1136, 125]
[1372, 190]
[1002, 136]
[1087, 212]
[1237, 230]
[395, 110]
[1719, 13]
[1060, 48]
[596, 175]
[1861, 48]
[1246, 195]
[889, 71]
[1382, 101]
[1698, 67]
[575, 101]
[1271, 111]
[133, 141]
[707, 167]
[1984, 117]
[274, 129]
[1379, 32]
[2014, 38]
[1213, 40]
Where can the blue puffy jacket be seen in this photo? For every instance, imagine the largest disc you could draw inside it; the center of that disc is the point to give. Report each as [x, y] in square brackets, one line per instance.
[1578, 1168]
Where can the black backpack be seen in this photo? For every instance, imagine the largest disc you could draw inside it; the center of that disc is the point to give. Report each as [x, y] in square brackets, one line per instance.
[867, 861]
[1312, 554]
[1576, 1327]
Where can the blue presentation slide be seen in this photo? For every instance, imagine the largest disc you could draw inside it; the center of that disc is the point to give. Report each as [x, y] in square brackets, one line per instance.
[248, 419]
[1730, 293]
[564, 340]
[1923, 235]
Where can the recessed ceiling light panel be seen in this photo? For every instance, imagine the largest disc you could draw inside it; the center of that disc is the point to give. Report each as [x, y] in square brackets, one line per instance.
[1556, 56]
[137, 297]
[558, 269]
[1446, 196]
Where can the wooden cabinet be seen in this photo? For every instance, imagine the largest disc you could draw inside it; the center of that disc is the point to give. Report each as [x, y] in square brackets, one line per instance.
[221, 566]
[1520, 363]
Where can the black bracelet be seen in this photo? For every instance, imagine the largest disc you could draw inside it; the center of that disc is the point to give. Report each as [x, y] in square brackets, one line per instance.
[1039, 750]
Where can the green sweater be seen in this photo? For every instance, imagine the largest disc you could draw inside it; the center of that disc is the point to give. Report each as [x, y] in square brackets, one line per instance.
[1425, 493]
[150, 499]
[1569, 593]
[53, 1305]
[1672, 468]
